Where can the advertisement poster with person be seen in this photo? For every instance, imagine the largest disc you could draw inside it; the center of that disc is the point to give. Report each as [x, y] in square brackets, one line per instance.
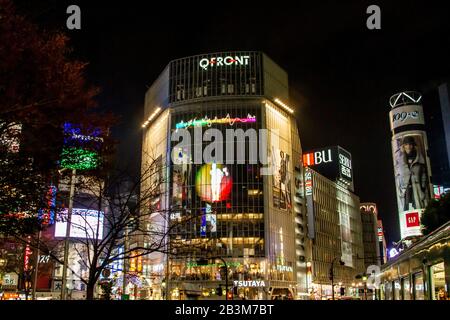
[411, 178]
[281, 179]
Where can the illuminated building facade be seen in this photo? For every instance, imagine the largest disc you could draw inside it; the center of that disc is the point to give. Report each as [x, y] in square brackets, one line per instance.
[335, 233]
[369, 213]
[225, 209]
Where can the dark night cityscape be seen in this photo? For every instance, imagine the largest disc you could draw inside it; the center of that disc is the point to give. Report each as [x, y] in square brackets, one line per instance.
[235, 151]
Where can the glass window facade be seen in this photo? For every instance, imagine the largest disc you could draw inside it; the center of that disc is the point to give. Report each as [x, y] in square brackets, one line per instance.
[221, 204]
[406, 289]
[207, 76]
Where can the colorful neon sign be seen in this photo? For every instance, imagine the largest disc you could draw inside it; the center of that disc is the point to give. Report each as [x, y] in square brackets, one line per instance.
[208, 122]
[47, 215]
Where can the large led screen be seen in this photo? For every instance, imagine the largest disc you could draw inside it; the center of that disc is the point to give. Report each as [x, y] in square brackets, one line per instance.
[84, 224]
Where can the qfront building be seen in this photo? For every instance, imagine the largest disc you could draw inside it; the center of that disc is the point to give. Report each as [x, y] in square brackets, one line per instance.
[223, 217]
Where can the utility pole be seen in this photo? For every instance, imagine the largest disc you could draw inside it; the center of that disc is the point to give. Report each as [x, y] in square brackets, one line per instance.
[66, 242]
[36, 266]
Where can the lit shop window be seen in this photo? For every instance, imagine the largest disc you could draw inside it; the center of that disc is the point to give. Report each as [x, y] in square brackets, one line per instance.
[406, 289]
[397, 290]
[418, 286]
[438, 287]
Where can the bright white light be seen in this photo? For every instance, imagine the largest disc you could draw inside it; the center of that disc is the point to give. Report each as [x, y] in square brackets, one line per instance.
[84, 224]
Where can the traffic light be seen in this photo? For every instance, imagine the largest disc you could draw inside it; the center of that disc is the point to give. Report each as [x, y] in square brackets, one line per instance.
[219, 291]
[342, 291]
[230, 295]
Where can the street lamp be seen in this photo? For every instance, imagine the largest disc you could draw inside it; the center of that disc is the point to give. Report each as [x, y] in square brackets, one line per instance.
[332, 274]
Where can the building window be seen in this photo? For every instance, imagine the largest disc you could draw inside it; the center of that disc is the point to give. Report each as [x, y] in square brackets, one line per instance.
[438, 287]
[406, 289]
[397, 290]
[418, 286]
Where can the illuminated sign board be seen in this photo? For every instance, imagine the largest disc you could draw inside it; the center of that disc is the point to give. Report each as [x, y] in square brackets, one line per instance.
[208, 122]
[249, 284]
[410, 223]
[206, 63]
[438, 191]
[380, 234]
[284, 268]
[368, 207]
[308, 183]
[406, 115]
[84, 224]
[335, 163]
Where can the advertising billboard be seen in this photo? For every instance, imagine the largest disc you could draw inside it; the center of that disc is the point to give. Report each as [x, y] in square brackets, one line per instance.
[406, 115]
[335, 163]
[412, 177]
[346, 239]
[84, 224]
[281, 180]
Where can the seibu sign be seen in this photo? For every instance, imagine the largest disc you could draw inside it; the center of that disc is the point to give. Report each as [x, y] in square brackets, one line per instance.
[206, 63]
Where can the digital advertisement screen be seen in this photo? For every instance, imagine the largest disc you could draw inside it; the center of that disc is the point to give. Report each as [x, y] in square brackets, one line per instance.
[84, 224]
[213, 182]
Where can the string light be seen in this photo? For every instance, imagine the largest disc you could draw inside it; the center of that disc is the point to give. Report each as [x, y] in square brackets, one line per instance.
[151, 117]
[287, 108]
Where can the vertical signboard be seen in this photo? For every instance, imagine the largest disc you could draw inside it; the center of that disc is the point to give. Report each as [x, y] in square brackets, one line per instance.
[309, 202]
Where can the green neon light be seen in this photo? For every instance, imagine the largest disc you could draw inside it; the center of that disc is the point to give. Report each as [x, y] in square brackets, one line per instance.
[80, 159]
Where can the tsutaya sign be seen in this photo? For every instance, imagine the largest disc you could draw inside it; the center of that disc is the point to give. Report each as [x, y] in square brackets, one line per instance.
[249, 283]
[205, 63]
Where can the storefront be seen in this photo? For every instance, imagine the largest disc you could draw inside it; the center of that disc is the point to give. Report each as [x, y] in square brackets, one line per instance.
[421, 272]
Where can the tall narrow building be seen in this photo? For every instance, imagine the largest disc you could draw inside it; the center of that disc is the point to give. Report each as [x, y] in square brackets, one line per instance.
[412, 170]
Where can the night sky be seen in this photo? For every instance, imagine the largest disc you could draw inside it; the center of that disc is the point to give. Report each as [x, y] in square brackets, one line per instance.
[341, 74]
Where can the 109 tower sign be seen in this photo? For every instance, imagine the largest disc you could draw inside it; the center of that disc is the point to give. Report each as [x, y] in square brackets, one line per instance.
[411, 162]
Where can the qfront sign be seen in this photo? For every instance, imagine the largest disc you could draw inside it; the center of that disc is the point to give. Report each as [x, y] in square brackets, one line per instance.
[206, 63]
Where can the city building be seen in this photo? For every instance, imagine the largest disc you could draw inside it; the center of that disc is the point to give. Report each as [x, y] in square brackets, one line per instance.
[437, 120]
[244, 222]
[420, 272]
[369, 219]
[410, 153]
[336, 252]
[382, 242]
